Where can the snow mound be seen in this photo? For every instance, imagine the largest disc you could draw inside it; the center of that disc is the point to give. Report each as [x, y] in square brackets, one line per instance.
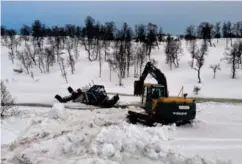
[110, 139]
[135, 144]
[108, 150]
[76, 144]
[58, 111]
[130, 139]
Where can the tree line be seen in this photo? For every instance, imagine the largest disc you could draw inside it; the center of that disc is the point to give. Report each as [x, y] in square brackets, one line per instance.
[108, 30]
[120, 47]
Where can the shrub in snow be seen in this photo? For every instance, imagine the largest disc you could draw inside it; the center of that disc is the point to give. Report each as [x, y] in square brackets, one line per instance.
[58, 111]
[196, 89]
[215, 68]
[6, 100]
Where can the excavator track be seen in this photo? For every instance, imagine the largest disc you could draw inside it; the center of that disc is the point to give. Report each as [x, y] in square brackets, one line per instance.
[150, 120]
[143, 118]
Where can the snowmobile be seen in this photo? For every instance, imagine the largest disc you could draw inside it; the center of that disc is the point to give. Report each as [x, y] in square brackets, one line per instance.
[95, 95]
[158, 105]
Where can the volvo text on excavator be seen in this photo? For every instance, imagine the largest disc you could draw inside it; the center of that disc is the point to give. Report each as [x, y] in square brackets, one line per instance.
[158, 105]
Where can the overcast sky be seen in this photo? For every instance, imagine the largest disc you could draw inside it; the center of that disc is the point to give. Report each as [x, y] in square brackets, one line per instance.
[174, 17]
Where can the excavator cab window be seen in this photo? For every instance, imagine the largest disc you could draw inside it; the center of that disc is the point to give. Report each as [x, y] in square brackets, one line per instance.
[157, 92]
[144, 96]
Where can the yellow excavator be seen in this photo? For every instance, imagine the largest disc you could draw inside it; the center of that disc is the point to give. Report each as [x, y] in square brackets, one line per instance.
[158, 105]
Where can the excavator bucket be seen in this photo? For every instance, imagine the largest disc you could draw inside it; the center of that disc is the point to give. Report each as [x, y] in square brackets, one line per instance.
[138, 87]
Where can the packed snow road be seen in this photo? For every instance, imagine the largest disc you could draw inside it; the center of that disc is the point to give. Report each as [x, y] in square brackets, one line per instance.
[216, 132]
[60, 136]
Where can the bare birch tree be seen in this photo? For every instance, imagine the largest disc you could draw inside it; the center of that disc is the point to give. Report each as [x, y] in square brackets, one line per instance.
[215, 68]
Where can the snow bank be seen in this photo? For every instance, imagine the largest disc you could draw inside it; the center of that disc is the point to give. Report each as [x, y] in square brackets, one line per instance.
[131, 138]
[111, 140]
[75, 144]
[134, 143]
[58, 111]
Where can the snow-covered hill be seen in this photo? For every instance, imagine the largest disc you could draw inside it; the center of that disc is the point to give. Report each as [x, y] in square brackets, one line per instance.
[24, 89]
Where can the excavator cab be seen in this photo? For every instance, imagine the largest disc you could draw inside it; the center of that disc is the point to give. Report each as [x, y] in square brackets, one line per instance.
[149, 93]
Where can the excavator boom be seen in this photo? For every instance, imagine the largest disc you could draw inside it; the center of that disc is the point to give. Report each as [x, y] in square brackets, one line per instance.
[156, 74]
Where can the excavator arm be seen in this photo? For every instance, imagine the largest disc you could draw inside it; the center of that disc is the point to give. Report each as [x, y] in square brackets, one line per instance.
[156, 74]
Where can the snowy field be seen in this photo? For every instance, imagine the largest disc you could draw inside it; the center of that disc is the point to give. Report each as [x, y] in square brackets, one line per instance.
[24, 89]
[58, 136]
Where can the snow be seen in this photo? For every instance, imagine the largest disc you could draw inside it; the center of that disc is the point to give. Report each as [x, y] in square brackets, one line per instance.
[45, 86]
[104, 136]
[130, 139]
[58, 111]
[59, 135]
[10, 130]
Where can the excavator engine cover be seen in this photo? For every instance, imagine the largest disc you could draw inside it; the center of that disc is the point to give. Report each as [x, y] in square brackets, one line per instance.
[138, 87]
